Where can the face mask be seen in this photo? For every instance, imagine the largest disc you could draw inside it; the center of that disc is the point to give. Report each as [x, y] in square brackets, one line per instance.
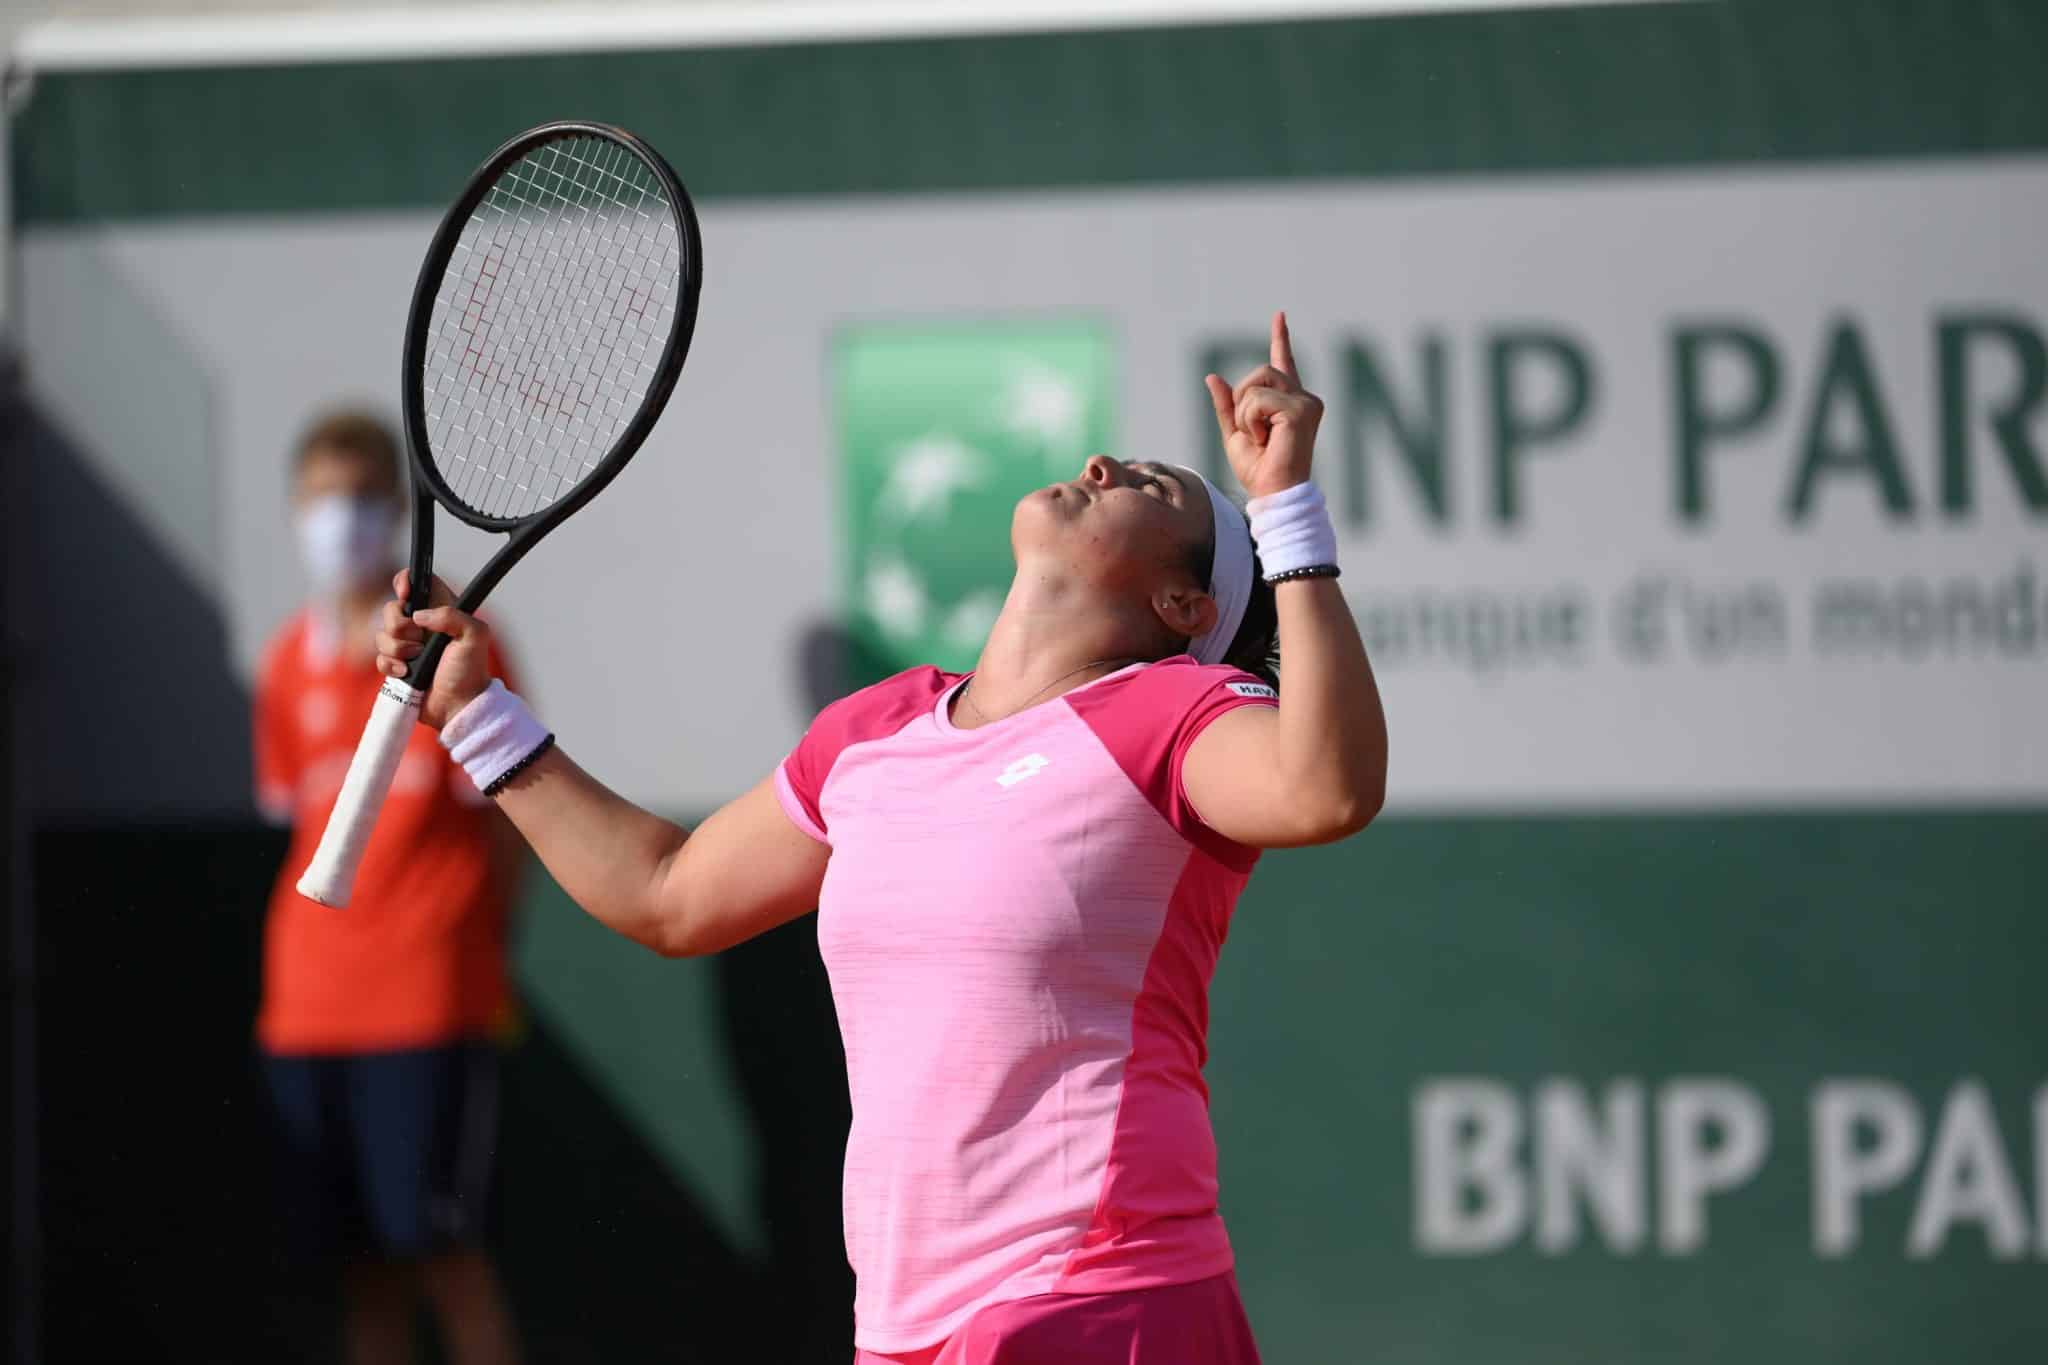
[345, 541]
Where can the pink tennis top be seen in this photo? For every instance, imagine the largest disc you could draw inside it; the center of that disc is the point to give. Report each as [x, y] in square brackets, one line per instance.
[1020, 923]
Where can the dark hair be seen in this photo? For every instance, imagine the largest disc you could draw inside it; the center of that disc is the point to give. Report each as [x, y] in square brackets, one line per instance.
[1255, 648]
[359, 433]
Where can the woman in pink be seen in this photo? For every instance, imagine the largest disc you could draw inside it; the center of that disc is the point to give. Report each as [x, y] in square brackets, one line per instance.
[1023, 877]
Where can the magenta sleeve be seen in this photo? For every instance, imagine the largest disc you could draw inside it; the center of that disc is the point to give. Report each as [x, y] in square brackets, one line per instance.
[871, 713]
[802, 812]
[1150, 720]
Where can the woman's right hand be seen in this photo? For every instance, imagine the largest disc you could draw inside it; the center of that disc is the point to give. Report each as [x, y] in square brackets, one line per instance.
[465, 667]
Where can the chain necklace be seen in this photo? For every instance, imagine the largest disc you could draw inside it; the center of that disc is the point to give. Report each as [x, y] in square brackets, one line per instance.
[982, 716]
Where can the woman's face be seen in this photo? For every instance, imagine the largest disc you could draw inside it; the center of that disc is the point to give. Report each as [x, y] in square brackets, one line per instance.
[1118, 525]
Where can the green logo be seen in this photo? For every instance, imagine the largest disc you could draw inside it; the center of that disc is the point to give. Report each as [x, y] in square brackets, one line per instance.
[942, 428]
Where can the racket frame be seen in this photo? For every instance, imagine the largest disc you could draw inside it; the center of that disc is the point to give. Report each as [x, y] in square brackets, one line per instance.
[330, 876]
[428, 486]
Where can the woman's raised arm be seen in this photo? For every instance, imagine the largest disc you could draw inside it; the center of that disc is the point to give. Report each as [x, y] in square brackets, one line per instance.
[1315, 769]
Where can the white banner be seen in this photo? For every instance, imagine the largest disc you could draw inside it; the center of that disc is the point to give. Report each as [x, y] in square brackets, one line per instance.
[1729, 492]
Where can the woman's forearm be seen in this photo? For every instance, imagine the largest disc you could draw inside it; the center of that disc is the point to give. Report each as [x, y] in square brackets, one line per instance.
[611, 856]
[1333, 733]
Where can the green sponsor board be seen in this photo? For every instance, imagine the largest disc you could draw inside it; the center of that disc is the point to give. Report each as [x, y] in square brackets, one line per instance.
[1623, 1088]
[942, 428]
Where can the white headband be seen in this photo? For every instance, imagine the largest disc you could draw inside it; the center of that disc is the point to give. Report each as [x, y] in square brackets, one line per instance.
[1230, 576]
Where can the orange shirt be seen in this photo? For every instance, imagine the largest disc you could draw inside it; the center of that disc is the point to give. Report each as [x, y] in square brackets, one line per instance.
[418, 956]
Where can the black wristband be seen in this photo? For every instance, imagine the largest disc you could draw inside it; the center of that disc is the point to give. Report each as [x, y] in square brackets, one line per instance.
[498, 783]
[1307, 571]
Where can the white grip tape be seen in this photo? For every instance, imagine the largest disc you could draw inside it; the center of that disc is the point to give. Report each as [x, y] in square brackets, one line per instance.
[331, 876]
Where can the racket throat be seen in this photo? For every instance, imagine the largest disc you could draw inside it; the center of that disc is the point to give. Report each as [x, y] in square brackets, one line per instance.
[421, 675]
[420, 572]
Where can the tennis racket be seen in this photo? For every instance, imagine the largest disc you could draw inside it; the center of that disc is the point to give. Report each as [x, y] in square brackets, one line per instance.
[548, 326]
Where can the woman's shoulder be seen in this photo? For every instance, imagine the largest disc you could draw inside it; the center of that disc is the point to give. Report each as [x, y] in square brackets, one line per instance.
[1186, 678]
[923, 682]
[884, 707]
[1168, 697]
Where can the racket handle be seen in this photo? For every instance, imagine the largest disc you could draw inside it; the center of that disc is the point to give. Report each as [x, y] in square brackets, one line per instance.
[331, 876]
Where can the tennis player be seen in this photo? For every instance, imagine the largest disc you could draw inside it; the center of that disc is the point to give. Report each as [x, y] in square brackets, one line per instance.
[379, 1024]
[1023, 877]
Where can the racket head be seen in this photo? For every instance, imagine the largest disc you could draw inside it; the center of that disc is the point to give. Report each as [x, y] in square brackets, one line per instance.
[549, 323]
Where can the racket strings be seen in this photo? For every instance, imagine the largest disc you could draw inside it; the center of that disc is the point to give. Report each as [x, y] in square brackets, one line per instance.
[550, 322]
[529, 185]
[536, 184]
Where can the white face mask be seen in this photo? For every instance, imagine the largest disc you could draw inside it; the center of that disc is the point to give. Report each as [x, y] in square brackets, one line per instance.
[344, 541]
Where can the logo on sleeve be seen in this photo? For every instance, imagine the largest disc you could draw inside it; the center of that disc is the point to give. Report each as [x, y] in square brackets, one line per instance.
[1259, 690]
[1028, 766]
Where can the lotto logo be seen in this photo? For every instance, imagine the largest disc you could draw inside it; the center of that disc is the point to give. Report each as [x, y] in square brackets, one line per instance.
[1028, 766]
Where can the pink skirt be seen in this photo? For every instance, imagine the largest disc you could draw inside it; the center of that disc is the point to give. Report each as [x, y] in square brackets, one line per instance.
[1201, 1323]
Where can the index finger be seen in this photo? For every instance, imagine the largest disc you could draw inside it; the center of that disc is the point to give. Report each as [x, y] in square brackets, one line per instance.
[1283, 348]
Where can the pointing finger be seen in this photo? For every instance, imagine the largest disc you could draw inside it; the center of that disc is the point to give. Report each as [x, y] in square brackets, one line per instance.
[1283, 348]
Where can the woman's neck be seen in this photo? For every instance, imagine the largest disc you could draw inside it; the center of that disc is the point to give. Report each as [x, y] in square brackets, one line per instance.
[1049, 639]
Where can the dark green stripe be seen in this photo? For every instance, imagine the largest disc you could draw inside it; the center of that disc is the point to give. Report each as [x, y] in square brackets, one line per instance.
[1533, 90]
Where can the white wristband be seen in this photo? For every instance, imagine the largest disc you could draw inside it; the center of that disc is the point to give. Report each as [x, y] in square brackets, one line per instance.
[493, 736]
[1292, 529]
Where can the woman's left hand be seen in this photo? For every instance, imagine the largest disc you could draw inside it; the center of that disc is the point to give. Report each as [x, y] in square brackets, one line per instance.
[1269, 420]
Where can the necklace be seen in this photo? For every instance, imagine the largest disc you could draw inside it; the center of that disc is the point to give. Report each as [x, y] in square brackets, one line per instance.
[983, 717]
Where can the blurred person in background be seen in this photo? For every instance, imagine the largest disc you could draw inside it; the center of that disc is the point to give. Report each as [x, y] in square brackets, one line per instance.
[381, 1024]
